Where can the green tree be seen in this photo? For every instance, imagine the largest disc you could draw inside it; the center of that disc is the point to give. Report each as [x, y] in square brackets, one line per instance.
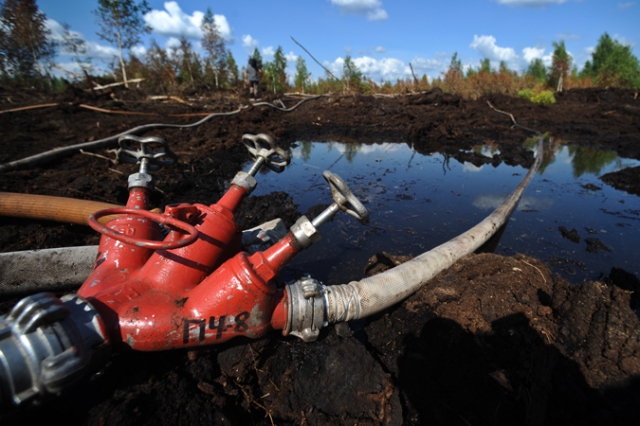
[485, 66]
[24, 40]
[276, 74]
[121, 23]
[560, 64]
[232, 68]
[613, 64]
[456, 65]
[537, 70]
[351, 74]
[301, 79]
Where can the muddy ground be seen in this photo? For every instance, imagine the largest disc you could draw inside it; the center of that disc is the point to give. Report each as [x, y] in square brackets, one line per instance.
[493, 340]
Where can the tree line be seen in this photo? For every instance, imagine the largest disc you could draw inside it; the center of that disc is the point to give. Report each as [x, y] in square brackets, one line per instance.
[27, 51]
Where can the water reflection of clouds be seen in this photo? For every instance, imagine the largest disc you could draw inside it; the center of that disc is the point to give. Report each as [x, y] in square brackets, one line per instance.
[370, 149]
[468, 167]
[342, 148]
[486, 202]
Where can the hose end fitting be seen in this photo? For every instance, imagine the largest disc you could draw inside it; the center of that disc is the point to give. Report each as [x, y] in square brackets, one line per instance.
[46, 345]
[307, 312]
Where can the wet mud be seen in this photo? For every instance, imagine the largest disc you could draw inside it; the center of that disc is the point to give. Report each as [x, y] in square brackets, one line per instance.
[492, 340]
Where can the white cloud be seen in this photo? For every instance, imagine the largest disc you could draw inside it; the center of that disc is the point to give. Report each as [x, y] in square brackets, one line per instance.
[139, 50]
[529, 3]
[291, 57]
[174, 22]
[249, 44]
[430, 66]
[626, 5]
[371, 9]
[99, 51]
[171, 42]
[383, 69]
[379, 49]
[531, 53]
[486, 46]
[386, 69]
[268, 53]
[57, 30]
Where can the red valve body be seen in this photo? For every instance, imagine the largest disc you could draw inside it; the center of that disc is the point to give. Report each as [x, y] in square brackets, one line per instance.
[193, 295]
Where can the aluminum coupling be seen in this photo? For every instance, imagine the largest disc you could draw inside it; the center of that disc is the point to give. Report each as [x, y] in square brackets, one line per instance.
[46, 345]
[307, 312]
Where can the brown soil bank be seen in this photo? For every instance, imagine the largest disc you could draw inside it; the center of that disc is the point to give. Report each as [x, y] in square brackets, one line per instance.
[493, 340]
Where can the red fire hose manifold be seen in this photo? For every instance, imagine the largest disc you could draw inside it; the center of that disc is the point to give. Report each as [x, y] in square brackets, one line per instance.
[163, 281]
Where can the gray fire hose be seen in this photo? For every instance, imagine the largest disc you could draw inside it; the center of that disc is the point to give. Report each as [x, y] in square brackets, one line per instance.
[313, 305]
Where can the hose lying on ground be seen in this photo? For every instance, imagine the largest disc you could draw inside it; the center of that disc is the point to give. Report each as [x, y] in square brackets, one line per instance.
[360, 299]
[46, 207]
[45, 270]
[55, 154]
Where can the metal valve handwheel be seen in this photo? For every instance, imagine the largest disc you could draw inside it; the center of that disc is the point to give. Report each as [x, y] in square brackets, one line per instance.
[155, 150]
[190, 231]
[344, 198]
[264, 151]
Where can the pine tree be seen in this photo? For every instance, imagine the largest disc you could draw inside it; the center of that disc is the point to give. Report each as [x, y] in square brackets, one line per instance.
[537, 70]
[456, 65]
[613, 64]
[121, 23]
[232, 68]
[485, 66]
[24, 40]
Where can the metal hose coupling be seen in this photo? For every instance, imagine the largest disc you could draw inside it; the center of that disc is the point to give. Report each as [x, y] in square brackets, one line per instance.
[307, 310]
[46, 345]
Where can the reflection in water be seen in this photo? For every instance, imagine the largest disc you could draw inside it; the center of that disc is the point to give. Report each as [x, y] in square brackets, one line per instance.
[583, 160]
[588, 160]
[419, 201]
[527, 202]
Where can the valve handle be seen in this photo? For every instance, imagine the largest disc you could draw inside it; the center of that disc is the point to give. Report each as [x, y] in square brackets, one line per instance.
[192, 233]
[134, 149]
[264, 151]
[344, 198]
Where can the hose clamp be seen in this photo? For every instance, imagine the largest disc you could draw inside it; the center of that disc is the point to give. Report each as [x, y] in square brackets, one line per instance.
[307, 312]
[46, 345]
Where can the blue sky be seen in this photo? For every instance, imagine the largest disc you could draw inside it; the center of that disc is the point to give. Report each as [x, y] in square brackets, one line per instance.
[382, 36]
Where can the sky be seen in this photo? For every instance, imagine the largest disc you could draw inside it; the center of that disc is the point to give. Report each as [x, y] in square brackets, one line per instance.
[383, 37]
